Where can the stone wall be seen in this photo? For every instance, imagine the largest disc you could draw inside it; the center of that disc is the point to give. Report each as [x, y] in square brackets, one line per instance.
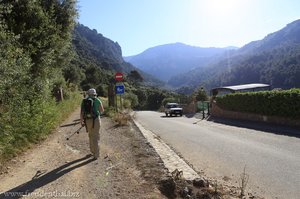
[217, 111]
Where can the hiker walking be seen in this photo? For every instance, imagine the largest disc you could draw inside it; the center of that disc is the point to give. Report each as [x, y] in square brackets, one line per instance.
[91, 108]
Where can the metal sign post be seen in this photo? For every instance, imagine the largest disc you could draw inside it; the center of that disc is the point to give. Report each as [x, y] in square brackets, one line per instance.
[120, 90]
[121, 102]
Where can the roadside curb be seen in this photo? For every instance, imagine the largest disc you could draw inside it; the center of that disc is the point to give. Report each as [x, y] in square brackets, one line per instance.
[170, 159]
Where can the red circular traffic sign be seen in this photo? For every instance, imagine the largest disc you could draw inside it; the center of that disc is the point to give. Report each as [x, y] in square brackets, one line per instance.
[119, 76]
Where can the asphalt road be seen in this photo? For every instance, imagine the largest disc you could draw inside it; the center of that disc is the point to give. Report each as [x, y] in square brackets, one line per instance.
[222, 149]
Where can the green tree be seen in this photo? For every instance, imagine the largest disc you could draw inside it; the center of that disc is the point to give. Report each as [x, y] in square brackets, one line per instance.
[142, 97]
[155, 98]
[44, 30]
[201, 95]
[135, 77]
[170, 100]
[34, 48]
[14, 63]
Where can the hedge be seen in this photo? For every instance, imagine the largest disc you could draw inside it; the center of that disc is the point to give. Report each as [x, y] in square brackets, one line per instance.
[270, 103]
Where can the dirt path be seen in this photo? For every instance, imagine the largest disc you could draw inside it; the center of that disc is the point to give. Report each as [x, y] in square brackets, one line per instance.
[58, 168]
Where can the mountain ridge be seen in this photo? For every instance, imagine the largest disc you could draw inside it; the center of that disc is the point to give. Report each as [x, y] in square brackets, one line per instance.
[97, 51]
[274, 60]
[271, 40]
[165, 61]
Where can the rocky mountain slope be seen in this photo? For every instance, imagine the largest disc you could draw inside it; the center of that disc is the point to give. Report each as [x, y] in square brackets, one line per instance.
[273, 60]
[96, 51]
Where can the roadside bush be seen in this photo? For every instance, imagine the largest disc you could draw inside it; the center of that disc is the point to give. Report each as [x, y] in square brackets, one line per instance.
[110, 112]
[102, 90]
[133, 100]
[273, 103]
[104, 101]
[142, 98]
[31, 121]
[122, 118]
[126, 104]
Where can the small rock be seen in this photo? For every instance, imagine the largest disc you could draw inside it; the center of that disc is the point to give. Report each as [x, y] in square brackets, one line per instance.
[14, 161]
[167, 186]
[67, 162]
[226, 178]
[199, 182]
[186, 192]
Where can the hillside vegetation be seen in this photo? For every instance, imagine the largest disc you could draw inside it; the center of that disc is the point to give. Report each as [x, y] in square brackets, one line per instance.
[274, 60]
[43, 51]
[35, 49]
[98, 58]
[96, 61]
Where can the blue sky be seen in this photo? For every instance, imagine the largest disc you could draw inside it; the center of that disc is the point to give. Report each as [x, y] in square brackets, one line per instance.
[140, 24]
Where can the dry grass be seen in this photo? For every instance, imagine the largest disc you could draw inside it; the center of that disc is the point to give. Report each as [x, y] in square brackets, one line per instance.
[122, 118]
[244, 178]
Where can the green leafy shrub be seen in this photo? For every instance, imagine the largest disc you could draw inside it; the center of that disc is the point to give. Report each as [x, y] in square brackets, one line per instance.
[131, 100]
[32, 59]
[273, 103]
[31, 121]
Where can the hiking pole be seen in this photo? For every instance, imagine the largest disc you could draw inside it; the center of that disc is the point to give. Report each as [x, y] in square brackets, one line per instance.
[77, 131]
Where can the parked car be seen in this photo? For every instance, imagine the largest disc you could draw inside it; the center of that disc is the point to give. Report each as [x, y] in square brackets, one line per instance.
[173, 109]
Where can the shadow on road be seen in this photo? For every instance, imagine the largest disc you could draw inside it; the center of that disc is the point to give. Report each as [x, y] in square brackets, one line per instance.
[71, 124]
[190, 115]
[163, 116]
[42, 180]
[260, 126]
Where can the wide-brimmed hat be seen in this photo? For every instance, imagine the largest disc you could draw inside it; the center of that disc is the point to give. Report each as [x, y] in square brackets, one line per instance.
[92, 91]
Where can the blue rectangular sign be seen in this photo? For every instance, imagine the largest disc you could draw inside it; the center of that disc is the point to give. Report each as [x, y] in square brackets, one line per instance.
[120, 89]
